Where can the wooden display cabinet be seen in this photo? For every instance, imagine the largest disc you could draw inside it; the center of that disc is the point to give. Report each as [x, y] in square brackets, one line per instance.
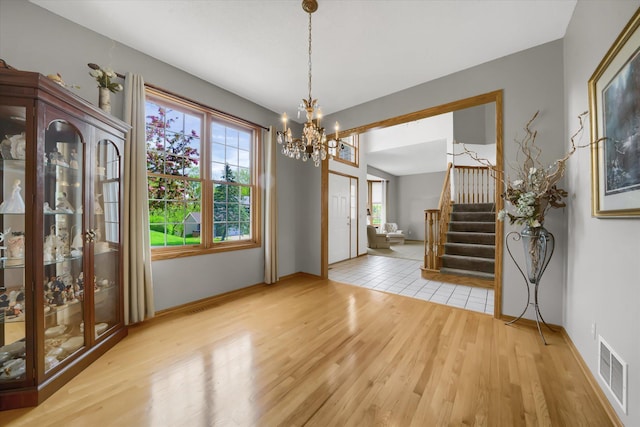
[61, 296]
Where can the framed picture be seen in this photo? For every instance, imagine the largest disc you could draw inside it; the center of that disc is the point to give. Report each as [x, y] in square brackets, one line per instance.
[614, 98]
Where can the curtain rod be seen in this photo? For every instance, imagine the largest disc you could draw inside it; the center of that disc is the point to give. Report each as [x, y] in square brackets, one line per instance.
[122, 76]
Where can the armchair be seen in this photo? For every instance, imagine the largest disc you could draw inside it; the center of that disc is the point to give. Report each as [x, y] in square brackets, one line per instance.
[394, 235]
[375, 240]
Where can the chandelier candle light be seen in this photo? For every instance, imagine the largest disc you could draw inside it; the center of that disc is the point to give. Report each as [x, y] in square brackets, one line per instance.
[313, 142]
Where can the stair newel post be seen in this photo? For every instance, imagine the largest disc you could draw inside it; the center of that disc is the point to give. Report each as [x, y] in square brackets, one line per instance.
[443, 227]
[427, 238]
[431, 239]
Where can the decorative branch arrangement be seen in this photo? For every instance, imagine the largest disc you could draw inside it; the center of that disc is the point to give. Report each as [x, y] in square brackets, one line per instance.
[103, 77]
[535, 190]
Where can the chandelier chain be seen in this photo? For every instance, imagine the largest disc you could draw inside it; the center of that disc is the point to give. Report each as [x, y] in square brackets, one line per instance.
[309, 56]
[312, 144]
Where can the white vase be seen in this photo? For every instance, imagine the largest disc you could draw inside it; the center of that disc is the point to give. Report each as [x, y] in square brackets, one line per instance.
[104, 99]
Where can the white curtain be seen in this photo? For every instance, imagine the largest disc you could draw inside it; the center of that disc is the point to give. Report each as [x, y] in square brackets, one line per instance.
[138, 286]
[271, 209]
[383, 211]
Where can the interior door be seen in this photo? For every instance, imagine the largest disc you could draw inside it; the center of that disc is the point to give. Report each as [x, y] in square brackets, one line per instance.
[339, 217]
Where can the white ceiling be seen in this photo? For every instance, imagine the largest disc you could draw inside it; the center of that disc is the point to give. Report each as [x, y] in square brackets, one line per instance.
[362, 49]
[410, 148]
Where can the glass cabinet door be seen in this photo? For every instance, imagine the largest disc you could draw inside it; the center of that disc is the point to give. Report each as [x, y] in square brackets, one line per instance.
[106, 210]
[13, 305]
[64, 280]
[61, 288]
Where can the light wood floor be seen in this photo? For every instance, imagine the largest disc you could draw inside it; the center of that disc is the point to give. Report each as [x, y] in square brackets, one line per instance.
[314, 352]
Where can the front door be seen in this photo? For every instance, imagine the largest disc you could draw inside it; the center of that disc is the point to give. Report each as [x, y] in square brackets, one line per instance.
[339, 218]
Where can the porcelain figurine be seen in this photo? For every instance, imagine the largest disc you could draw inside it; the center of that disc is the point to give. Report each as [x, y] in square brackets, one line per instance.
[4, 301]
[15, 245]
[18, 146]
[14, 204]
[69, 294]
[2, 239]
[73, 159]
[63, 205]
[77, 240]
[14, 147]
[49, 249]
[58, 292]
[97, 208]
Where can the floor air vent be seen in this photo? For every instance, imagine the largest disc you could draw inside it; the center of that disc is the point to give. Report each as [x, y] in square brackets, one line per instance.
[613, 371]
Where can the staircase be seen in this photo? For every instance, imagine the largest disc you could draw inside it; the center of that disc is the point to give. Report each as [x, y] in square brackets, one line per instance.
[470, 247]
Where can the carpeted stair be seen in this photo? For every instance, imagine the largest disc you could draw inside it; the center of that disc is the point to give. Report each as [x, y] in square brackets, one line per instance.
[470, 248]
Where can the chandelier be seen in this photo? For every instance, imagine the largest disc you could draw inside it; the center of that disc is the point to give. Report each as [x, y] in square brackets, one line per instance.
[313, 142]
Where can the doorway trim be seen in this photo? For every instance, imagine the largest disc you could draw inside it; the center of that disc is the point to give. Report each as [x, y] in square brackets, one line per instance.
[486, 98]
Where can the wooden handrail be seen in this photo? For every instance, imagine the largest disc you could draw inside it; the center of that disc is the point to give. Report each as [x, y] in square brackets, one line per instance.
[446, 187]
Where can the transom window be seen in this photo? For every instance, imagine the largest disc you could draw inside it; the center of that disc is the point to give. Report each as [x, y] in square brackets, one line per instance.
[202, 172]
[348, 150]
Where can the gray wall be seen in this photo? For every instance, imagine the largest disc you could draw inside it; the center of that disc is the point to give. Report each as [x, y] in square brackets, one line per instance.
[532, 80]
[415, 194]
[602, 268]
[34, 39]
[469, 125]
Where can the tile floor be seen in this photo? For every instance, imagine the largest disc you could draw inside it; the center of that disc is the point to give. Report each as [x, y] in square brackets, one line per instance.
[402, 276]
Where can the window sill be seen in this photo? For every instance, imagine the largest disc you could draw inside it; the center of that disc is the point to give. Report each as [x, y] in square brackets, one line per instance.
[158, 254]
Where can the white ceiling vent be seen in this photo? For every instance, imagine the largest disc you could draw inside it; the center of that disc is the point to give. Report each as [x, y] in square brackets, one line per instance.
[613, 371]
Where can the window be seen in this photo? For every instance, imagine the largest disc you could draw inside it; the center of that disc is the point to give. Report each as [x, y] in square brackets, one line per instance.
[376, 202]
[348, 150]
[231, 175]
[202, 172]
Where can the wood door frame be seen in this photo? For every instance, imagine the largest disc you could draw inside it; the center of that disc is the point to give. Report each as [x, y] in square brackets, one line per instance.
[486, 98]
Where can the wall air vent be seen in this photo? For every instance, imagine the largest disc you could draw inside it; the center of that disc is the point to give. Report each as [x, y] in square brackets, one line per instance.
[613, 371]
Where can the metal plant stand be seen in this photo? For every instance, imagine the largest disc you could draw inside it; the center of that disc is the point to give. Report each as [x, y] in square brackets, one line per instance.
[538, 245]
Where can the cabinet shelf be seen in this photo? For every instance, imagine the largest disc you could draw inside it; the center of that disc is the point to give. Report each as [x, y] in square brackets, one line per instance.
[54, 310]
[65, 259]
[52, 213]
[108, 251]
[12, 164]
[6, 263]
[55, 170]
[13, 318]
